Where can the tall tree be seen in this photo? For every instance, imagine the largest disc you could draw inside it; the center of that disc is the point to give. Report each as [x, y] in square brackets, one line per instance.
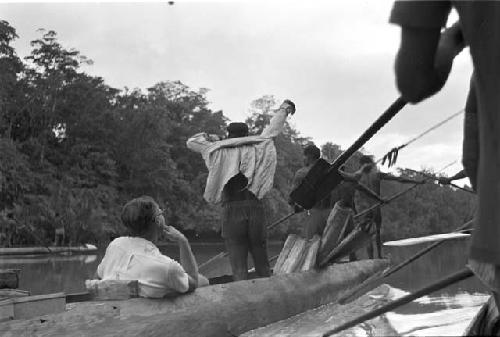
[10, 67]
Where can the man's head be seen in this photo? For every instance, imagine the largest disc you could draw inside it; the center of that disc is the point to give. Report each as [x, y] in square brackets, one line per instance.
[311, 154]
[366, 163]
[142, 216]
[237, 130]
[365, 159]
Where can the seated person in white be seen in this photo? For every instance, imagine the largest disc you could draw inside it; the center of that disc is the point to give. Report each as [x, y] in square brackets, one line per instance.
[135, 257]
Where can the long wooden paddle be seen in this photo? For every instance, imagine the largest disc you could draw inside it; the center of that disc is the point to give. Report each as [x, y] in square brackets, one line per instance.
[451, 184]
[440, 284]
[371, 281]
[224, 254]
[318, 183]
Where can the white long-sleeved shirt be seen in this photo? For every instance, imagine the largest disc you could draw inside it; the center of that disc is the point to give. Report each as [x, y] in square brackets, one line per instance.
[253, 156]
[134, 258]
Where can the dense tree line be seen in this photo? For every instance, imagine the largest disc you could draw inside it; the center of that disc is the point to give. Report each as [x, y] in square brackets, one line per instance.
[73, 150]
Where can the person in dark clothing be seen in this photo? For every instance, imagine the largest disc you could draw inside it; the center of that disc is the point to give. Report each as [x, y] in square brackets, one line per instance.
[423, 63]
[316, 217]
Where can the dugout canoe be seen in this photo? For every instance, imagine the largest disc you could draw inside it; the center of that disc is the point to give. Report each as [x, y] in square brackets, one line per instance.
[217, 310]
[87, 248]
[486, 322]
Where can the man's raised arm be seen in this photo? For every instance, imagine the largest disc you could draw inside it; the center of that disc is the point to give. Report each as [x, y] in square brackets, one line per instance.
[200, 142]
[277, 122]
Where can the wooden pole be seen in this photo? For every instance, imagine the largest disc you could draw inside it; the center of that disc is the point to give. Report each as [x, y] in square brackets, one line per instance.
[440, 284]
[451, 184]
[377, 278]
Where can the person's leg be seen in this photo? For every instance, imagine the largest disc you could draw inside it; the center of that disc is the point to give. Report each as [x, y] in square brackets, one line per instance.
[369, 249]
[238, 257]
[257, 235]
[315, 222]
[378, 227]
[234, 232]
[353, 257]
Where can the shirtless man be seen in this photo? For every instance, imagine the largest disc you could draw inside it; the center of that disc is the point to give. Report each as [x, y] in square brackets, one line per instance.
[369, 176]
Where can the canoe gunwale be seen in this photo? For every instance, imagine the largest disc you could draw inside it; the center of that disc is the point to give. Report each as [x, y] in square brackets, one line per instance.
[218, 310]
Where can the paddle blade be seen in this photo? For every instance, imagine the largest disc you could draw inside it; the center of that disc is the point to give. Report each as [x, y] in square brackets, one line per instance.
[305, 194]
[328, 184]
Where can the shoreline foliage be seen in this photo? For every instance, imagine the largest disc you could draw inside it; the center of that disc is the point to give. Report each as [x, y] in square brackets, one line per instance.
[73, 150]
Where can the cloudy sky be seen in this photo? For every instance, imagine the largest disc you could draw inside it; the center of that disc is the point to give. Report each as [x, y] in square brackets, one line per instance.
[334, 59]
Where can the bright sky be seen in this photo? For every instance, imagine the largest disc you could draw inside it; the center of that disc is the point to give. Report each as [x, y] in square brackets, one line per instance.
[334, 59]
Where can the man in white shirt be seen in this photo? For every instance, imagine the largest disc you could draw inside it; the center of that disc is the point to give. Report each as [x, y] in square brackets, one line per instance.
[240, 172]
[136, 257]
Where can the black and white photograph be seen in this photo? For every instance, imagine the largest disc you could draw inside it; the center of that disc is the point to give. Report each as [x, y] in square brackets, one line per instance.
[249, 168]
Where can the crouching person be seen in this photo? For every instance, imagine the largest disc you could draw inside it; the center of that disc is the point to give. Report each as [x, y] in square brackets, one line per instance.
[136, 257]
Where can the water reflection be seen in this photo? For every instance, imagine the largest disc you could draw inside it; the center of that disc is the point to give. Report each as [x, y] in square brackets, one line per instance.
[54, 273]
[447, 258]
[45, 274]
[444, 313]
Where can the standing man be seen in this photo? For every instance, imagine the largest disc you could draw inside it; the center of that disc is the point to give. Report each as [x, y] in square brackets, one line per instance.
[423, 63]
[240, 172]
[316, 217]
[370, 177]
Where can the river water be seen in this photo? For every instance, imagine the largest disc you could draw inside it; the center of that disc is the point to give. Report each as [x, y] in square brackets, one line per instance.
[446, 312]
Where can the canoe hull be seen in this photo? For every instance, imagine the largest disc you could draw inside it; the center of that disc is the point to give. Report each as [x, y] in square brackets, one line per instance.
[219, 310]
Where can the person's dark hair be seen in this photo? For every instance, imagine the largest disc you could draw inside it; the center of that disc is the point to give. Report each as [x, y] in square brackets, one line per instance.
[291, 103]
[312, 151]
[365, 159]
[236, 130]
[138, 215]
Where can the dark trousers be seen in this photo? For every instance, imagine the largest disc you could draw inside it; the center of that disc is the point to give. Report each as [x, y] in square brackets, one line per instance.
[244, 231]
[315, 222]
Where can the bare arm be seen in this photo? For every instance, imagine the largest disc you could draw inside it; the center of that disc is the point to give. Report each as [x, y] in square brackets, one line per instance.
[354, 177]
[187, 259]
[200, 141]
[277, 122]
[188, 262]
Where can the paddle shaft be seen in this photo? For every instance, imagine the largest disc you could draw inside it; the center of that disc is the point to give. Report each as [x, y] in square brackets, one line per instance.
[377, 278]
[369, 133]
[223, 254]
[452, 184]
[386, 201]
[322, 178]
[394, 196]
[440, 284]
[423, 251]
